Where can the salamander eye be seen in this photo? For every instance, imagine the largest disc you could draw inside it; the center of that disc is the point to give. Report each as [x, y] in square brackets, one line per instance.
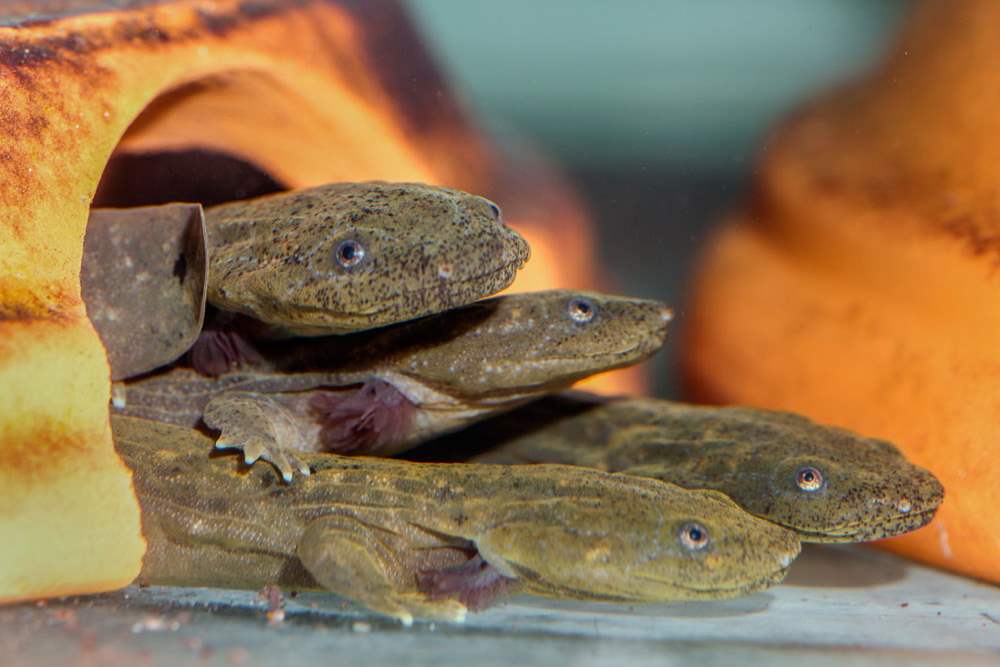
[581, 310]
[809, 479]
[349, 253]
[693, 536]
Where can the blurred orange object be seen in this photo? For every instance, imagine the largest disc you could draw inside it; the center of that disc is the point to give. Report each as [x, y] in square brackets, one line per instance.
[861, 286]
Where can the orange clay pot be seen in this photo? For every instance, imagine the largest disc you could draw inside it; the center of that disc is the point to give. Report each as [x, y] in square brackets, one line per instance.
[861, 286]
[308, 91]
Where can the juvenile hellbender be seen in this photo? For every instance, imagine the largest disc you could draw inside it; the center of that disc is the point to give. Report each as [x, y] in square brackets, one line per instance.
[388, 390]
[826, 483]
[347, 257]
[431, 540]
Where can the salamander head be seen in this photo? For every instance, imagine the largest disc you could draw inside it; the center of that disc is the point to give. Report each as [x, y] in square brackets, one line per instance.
[353, 256]
[641, 540]
[535, 342]
[826, 483]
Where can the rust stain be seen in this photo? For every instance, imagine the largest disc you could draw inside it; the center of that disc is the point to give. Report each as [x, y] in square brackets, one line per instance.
[36, 447]
[19, 312]
[21, 13]
[17, 54]
[222, 23]
[44, 124]
[141, 30]
[51, 306]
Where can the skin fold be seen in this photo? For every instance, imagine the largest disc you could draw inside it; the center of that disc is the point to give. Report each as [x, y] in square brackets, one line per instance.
[433, 540]
[826, 483]
[387, 390]
[346, 257]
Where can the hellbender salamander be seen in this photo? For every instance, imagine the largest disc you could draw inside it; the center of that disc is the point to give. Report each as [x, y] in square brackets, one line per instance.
[390, 389]
[431, 540]
[826, 483]
[347, 257]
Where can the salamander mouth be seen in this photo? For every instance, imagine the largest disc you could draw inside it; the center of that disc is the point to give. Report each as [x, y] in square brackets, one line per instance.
[490, 281]
[479, 285]
[455, 286]
[646, 344]
[736, 590]
[772, 579]
[536, 583]
[866, 531]
[595, 362]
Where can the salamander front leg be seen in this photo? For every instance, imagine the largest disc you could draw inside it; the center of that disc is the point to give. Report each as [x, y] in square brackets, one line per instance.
[259, 426]
[366, 564]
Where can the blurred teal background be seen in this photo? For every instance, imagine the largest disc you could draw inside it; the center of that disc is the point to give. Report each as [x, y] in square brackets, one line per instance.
[654, 109]
[682, 82]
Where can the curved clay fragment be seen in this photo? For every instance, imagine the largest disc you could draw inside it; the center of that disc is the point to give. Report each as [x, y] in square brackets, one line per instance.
[144, 280]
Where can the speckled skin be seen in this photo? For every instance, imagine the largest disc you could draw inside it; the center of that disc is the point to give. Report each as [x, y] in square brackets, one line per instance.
[426, 249]
[372, 529]
[454, 368]
[871, 491]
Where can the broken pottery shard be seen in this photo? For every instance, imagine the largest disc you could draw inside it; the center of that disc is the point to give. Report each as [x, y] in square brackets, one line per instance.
[144, 281]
